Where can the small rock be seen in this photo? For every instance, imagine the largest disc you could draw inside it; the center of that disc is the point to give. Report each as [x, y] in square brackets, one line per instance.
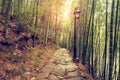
[27, 73]
[60, 77]
[33, 78]
[15, 53]
[52, 77]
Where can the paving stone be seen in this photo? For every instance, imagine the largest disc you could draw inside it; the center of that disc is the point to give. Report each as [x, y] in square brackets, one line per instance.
[71, 66]
[74, 74]
[60, 67]
[58, 72]
[72, 69]
[76, 78]
[44, 74]
[53, 77]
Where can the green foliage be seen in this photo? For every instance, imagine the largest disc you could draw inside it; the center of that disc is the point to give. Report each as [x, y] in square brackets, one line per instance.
[18, 15]
[32, 28]
[22, 16]
[24, 20]
[0, 7]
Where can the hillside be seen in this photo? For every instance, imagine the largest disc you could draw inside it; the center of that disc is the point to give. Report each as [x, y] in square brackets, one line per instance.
[18, 59]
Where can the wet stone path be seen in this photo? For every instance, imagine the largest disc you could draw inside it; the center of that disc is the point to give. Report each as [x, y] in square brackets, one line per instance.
[61, 67]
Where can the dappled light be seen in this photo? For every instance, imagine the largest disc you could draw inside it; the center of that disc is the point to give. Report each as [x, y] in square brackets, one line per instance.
[59, 39]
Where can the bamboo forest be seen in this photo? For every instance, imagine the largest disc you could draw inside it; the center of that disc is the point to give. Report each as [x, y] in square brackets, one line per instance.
[59, 39]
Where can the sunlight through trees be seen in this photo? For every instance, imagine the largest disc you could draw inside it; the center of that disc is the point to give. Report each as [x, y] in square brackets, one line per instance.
[52, 21]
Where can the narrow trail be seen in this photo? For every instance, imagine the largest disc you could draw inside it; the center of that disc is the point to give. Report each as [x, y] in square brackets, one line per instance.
[61, 67]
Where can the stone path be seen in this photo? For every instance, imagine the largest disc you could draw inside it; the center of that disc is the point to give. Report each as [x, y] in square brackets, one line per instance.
[61, 67]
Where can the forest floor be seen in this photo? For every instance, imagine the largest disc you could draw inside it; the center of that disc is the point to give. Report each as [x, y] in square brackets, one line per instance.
[15, 66]
[20, 61]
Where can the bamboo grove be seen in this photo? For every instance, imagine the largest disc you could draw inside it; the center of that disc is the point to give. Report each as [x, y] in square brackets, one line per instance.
[98, 38]
[98, 29]
[39, 16]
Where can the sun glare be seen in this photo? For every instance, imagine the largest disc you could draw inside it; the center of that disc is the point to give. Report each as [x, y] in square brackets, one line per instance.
[66, 14]
[67, 9]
